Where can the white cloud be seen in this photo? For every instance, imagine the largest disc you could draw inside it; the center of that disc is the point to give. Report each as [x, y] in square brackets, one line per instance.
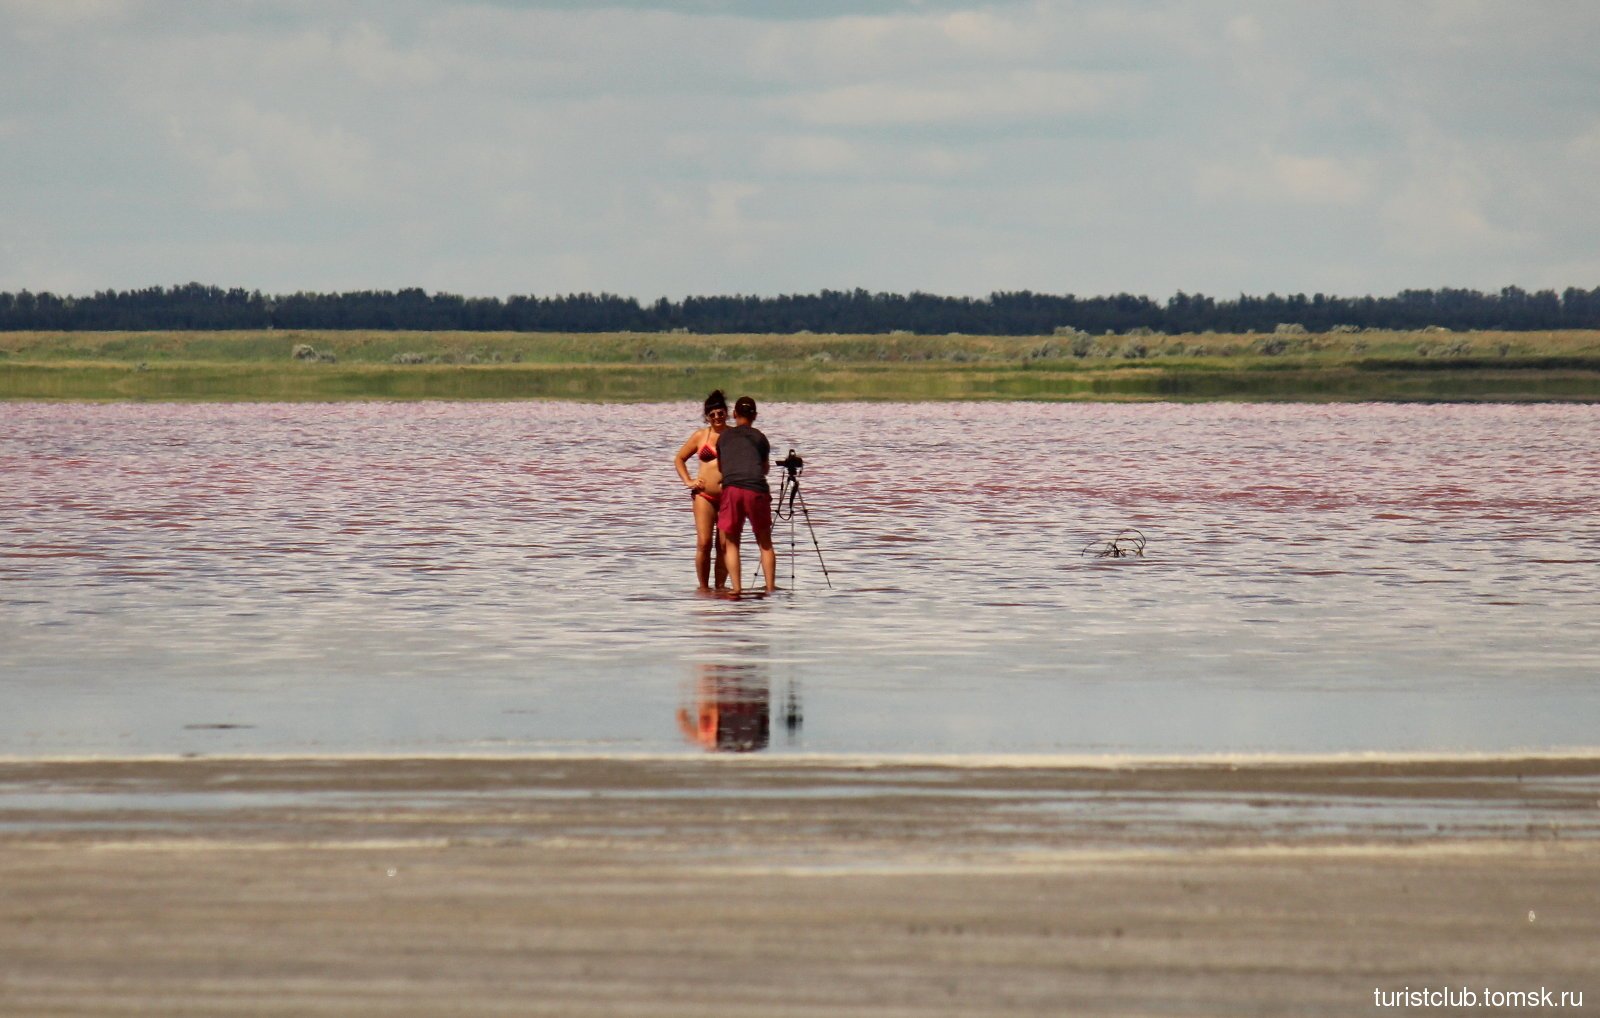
[1244, 30]
[811, 153]
[230, 174]
[939, 161]
[987, 32]
[820, 53]
[1441, 208]
[56, 14]
[1009, 96]
[831, 50]
[725, 213]
[1320, 180]
[370, 54]
[255, 159]
[828, 155]
[1585, 146]
[1285, 177]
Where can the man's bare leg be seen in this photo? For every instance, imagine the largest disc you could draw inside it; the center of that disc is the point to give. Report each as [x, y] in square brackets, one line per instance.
[721, 570]
[769, 565]
[730, 547]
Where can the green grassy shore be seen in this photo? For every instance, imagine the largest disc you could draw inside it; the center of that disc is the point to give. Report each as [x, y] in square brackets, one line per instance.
[358, 364]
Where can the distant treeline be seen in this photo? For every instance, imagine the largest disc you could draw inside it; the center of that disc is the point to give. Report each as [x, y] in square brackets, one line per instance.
[195, 306]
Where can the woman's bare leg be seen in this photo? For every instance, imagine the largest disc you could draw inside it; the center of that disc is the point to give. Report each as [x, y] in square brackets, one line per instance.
[705, 518]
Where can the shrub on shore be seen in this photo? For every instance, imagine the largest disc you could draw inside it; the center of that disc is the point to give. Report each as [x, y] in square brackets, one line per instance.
[309, 353]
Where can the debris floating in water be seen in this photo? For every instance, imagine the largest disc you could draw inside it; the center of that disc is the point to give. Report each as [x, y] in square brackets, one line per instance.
[1128, 543]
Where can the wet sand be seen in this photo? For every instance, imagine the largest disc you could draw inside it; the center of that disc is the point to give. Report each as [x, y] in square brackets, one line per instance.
[816, 887]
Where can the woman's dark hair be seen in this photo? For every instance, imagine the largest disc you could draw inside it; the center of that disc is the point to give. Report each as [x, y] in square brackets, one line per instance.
[716, 401]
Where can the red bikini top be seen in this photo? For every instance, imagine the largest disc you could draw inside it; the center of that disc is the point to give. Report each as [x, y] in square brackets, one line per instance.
[708, 452]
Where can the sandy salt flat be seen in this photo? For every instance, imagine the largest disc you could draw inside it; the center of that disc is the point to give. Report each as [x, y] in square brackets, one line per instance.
[733, 887]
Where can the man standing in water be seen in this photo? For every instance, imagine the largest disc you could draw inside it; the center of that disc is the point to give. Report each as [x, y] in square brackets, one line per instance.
[746, 456]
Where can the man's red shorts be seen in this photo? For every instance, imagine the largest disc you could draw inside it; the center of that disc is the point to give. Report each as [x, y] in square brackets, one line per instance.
[740, 504]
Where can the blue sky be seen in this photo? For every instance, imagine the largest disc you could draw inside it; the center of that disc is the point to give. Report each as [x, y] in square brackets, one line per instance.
[717, 147]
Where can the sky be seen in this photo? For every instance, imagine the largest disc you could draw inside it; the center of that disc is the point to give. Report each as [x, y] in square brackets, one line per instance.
[722, 146]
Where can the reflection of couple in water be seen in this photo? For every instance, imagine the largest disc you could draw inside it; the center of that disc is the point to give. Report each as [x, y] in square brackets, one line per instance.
[728, 707]
[731, 711]
[729, 487]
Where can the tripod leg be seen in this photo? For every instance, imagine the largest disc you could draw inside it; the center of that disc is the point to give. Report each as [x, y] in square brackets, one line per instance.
[813, 532]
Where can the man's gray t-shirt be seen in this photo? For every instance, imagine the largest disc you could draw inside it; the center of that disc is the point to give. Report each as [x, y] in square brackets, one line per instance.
[743, 453]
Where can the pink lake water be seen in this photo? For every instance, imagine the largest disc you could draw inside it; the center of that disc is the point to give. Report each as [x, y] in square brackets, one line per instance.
[517, 577]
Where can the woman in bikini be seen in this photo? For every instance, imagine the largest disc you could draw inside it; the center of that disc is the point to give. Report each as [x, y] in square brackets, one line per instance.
[705, 488]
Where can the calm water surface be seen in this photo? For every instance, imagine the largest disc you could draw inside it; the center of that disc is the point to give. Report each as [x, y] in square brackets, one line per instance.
[485, 578]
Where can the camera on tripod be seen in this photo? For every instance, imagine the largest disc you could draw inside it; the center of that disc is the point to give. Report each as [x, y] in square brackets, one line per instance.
[783, 509]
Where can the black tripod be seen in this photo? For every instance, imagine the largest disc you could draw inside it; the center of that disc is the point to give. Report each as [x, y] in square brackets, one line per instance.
[788, 493]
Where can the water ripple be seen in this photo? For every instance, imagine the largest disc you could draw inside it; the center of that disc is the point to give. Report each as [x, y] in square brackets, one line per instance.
[356, 576]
